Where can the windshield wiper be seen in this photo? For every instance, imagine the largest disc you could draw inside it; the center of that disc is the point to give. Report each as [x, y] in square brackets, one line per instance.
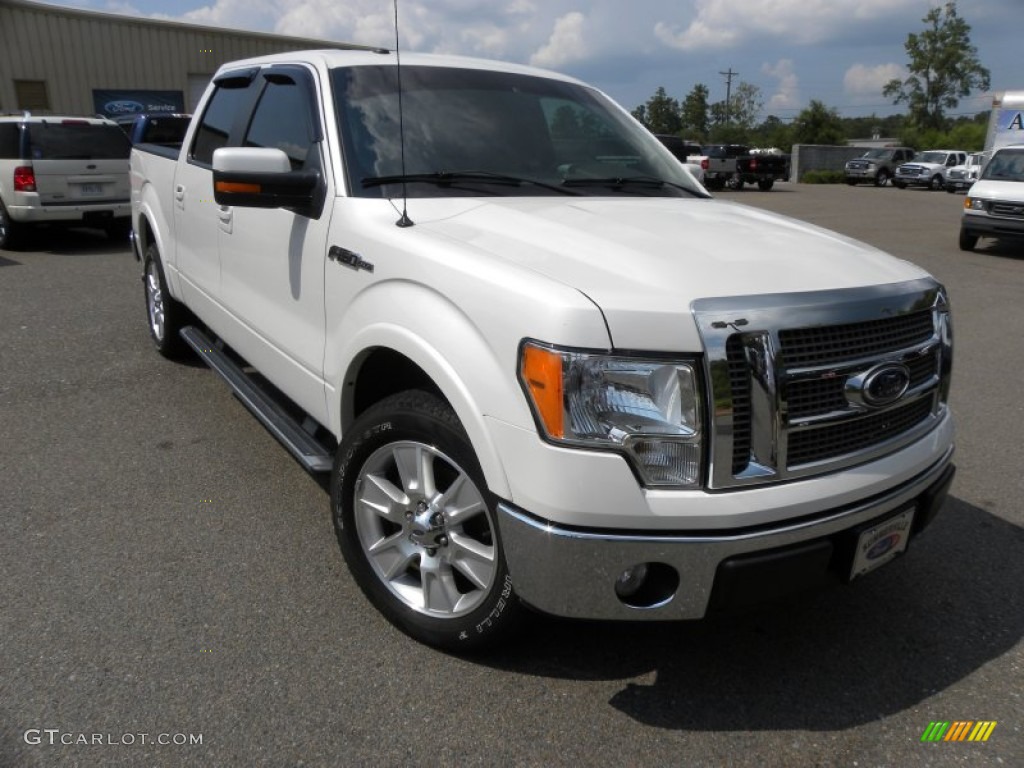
[447, 178]
[620, 182]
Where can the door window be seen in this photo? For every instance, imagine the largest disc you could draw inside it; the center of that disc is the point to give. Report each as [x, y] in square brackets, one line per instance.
[282, 121]
[225, 106]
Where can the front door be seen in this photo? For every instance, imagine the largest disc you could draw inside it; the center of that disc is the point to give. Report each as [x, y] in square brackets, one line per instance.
[272, 260]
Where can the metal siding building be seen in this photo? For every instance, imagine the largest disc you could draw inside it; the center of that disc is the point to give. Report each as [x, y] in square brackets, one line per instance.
[52, 58]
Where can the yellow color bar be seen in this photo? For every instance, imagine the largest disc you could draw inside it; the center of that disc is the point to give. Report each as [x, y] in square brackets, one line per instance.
[982, 730]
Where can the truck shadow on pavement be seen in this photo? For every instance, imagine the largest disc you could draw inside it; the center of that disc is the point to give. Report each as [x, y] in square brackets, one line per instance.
[833, 661]
[64, 241]
[1006, 249]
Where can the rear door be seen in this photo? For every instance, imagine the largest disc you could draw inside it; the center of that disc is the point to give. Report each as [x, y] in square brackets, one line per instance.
[197, 218]
[78, 161]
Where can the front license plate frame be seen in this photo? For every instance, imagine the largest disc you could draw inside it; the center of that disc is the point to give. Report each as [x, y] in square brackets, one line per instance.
[882, 542]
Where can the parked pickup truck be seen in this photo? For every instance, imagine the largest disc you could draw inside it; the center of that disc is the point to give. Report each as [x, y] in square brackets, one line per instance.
[541, 366]
[877, 165]
[734, 165]
[994, 206]
[960, 178]
[155, 127]
[929, 169]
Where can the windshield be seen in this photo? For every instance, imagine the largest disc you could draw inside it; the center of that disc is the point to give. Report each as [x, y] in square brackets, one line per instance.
[877, 154]
[472, 132]
[1005, 165]
[76, 141]
[933, 157]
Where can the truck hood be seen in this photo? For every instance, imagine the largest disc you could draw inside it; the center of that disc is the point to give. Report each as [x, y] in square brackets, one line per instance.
[643, 261]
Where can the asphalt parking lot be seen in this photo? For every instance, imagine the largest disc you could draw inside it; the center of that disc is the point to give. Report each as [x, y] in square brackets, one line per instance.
[167, 569]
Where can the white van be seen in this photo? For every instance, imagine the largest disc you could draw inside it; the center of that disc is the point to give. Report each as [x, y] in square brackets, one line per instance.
[994, 206]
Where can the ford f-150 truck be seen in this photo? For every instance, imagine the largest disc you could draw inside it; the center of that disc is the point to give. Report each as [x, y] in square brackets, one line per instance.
[733, 165]
[541, 365]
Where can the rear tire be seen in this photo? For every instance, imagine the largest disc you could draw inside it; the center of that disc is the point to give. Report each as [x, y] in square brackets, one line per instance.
[10, 231]
[765, 185]
[418, 527]
[166, 315]
[967, 240]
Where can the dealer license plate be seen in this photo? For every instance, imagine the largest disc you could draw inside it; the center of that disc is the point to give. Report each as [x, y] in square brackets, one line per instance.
[882, 542]
[91, 189]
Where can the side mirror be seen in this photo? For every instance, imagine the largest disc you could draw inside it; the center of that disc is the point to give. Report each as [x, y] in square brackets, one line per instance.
[252, 177]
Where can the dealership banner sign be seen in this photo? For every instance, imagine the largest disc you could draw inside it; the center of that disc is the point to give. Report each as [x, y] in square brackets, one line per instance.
[116, 103]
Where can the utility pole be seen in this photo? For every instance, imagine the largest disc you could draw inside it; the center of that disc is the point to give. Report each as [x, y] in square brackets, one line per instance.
[728, 75]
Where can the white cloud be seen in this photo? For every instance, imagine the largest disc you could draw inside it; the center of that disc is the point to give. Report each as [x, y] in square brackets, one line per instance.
[787, 92]
[862, 80]
[565, 44]
[726, 23]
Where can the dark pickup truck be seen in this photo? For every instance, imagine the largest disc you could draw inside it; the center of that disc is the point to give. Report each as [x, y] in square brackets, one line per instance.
[734, 165]
[155, 128]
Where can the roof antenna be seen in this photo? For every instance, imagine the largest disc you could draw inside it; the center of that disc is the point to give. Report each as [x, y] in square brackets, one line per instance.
[404, 221]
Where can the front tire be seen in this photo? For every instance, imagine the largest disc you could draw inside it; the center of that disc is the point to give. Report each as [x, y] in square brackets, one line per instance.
[881, 178]
[166, 315]
[900, 184]
[417, 526]
[935, 184]
[967, 240]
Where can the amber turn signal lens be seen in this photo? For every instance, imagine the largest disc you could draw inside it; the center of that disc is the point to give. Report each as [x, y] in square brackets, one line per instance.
[238, 187]
[542, 372]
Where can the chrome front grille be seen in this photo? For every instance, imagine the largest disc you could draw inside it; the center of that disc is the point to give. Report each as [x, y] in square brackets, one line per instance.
[788, 374]
[1006, 209]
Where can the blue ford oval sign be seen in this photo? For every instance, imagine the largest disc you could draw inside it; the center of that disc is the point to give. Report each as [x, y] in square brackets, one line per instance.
[122, 107]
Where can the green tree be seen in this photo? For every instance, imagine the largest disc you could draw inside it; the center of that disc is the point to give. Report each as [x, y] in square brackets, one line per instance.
[818, 124]
[740, 113]
[944, 68]
[695, 113]
[773, 132]
[661, 113]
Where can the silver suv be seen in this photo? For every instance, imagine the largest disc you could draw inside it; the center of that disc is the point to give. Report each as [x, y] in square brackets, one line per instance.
[929, 169]
[62, 170]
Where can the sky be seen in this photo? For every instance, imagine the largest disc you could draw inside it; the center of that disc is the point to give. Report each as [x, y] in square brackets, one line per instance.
[840, 52]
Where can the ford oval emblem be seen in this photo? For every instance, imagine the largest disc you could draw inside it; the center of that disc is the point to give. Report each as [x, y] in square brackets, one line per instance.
[123, 107]
[882, 385]
[882, 546]
[886, 384]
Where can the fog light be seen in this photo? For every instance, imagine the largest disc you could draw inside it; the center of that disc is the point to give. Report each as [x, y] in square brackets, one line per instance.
[631, 580]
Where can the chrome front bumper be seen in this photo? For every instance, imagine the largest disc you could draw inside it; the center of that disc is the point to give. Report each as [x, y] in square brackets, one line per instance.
[573, 573]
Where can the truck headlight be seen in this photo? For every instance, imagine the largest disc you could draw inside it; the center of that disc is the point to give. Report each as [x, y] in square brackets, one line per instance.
[648, 409]
[974, 204]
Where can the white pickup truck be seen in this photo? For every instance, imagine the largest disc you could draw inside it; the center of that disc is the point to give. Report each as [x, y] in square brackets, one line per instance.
[542, 366]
